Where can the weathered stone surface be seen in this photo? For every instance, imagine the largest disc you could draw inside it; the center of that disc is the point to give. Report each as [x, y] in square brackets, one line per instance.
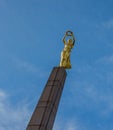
[45, 111]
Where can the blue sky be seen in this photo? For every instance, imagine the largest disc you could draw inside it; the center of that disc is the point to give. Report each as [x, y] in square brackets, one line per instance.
[30, 45]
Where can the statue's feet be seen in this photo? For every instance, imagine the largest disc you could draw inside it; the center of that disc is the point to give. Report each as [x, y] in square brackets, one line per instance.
[65, 65]
[68, 67]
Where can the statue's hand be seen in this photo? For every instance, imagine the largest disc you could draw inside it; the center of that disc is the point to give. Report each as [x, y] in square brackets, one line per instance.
[69, 33]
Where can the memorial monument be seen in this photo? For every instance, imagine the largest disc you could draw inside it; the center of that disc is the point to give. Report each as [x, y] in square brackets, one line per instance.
[44, 114]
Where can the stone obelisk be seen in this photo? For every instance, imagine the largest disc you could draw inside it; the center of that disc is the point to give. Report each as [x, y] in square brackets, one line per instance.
[45, 111]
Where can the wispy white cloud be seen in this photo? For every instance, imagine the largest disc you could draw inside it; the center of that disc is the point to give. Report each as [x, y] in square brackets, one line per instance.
[91, 98]
[68, 125]
[108, 24]
[105, 60]
[107, 66]
[2, 98]
[12, 117]
[25, 65]
[16, 117]
[28, 67]
[94, 92]
[72, 126]
[2, 95]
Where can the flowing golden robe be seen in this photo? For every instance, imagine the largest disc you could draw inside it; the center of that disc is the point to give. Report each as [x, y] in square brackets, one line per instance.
[65, 56]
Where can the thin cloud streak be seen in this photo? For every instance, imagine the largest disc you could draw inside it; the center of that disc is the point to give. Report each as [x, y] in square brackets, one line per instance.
[12, 117]
[68, 125]
[106, 60]
[28, 67]
[108, 24]
[16, 117]
[92, 89]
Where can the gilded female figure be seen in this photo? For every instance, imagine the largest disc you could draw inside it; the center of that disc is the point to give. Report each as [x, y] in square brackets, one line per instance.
[65, 54]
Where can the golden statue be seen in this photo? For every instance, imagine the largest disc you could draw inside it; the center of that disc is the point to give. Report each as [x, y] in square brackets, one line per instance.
[68, 45]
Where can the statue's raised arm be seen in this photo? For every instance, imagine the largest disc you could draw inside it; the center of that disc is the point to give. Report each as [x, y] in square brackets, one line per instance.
[69, 41]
